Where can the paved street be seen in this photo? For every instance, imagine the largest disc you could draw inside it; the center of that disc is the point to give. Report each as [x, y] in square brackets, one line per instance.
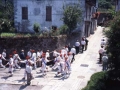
[82, 68]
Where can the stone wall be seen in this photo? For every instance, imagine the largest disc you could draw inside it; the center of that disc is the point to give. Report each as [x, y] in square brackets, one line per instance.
[36, 43]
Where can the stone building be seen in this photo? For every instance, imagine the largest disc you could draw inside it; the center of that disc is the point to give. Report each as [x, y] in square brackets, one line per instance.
[48, 13]
[117, 5]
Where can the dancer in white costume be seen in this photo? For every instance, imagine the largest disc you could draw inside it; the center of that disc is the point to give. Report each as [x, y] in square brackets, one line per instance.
[34, 58]
[44, 68]
[1, 65]
[26, 64]
[16, 59]
[10, 63]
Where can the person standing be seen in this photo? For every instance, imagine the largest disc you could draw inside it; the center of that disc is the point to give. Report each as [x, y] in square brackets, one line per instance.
[34, 58]
[10, 63]
[29, 73]
[43, 68]
[22, 56]
[83, 44]
[26, 64]
[101, 50]
[105, 61]
[69, 47]
[73, 51]
[29, 53]
[4, 56]
[86, 43]
[77, 46]
[38, 57]
[1, 61]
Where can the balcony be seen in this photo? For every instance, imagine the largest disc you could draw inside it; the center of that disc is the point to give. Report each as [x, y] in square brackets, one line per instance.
[95, 15]
[91, 2]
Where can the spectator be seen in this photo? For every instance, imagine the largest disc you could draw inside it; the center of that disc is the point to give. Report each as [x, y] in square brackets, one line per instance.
[77, 46]
[101, 50]
[73, 51]
[86, 43]
[105, 61]
[83, 44]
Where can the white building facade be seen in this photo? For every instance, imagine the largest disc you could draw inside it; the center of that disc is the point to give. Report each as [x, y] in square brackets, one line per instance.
[117, 5]
[48, 13]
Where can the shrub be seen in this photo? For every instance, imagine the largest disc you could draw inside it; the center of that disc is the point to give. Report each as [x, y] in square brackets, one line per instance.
[36, 27]
[63, 29]
[97, 81]
[7, 34]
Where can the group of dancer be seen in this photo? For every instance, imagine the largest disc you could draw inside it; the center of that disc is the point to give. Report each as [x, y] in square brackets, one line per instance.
[61, 61]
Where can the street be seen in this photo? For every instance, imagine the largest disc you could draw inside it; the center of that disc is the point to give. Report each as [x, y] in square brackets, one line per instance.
[83, 67]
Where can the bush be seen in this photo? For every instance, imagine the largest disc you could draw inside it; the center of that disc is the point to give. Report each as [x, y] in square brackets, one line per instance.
[97, 81]
[36, 27]
[8, 34]
[63, 29]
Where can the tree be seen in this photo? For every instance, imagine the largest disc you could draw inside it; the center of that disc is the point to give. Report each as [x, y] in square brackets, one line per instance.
[71, 16]
[6, 16]
[113, 48]
[105, 4]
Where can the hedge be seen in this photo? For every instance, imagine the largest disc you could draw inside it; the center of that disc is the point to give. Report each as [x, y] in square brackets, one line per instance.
[97, 81]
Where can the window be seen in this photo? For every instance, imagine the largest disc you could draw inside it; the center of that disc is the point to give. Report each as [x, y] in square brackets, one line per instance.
[24, 13]
[48, 13]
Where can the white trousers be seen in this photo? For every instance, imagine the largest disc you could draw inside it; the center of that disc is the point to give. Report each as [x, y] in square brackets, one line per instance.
[43, 68]
[55, 65]
[16, 64]
[1, 64]
[11, 69]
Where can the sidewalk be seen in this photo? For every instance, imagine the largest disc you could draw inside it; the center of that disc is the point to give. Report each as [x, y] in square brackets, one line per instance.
[83, 67]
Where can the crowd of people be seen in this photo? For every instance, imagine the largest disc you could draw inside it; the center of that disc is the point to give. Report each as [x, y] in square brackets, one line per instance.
[103, 57]
[60, 62]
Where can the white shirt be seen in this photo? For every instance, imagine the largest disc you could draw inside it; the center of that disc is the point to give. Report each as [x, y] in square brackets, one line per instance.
[29, 54]
[63, 51]
[27, 62]
[4, 54]
[83, 42]
[38, 54]
[16, 56]
[47, 54]
[55, 53]
[33, 56]
[0, 61]
[103, 43]
[77, 43]
[101, 50]
[73, 50]
[104, 58]
[11, 61]
[28, 69]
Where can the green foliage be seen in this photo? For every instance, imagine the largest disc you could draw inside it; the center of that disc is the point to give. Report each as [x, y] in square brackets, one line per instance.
[8, 34]
[63, 29]
[6, 25]
[113, 48]
[6, 16]
[97, 81]
[36, 27]
[72, 16]
[105, 4]
[6, 9]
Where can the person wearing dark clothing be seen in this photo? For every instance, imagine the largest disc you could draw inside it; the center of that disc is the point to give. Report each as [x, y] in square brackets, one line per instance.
[22, 56]
[77, 46]
[83, 44]
[69, 48]
[86, 43]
